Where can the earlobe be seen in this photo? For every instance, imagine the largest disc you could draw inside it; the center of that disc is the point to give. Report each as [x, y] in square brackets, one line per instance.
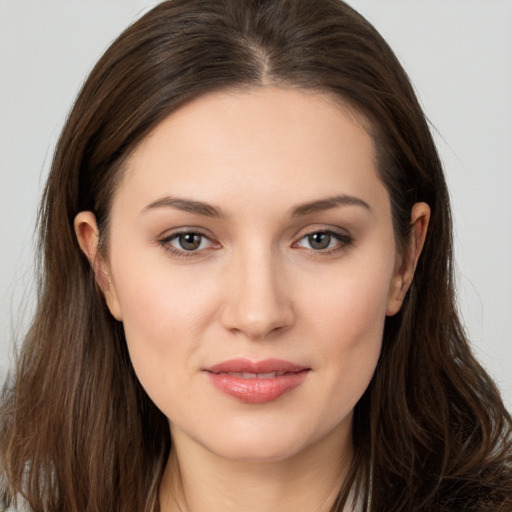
[404, 271]
[88, 236]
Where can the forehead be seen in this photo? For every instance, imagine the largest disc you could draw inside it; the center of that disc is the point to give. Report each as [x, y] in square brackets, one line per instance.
[243, 145]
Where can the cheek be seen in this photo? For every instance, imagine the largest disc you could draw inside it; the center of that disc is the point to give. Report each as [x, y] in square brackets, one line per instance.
[358, 316]
[164, 310]
[348, 320]
[352, 300]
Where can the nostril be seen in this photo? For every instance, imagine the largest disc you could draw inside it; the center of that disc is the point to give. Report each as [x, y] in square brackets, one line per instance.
[270, 324]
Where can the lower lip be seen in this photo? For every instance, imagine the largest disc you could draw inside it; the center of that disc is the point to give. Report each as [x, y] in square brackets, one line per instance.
[257, 391]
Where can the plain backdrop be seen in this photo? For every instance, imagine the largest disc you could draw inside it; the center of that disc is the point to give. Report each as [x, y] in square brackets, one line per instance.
[458, 54]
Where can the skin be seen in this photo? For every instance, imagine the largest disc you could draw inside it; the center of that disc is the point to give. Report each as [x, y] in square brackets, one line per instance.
[257, 287]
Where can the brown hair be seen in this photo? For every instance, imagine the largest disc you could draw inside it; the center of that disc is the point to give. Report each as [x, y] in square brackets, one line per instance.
[77, 430]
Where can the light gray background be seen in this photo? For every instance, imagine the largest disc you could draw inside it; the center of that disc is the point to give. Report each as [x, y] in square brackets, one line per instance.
[458, 54]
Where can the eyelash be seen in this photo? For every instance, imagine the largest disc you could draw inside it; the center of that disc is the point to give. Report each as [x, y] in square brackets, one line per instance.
[182, 253]
[344, 240]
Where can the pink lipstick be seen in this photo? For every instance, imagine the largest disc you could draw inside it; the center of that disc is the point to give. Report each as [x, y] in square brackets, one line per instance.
[256, 382]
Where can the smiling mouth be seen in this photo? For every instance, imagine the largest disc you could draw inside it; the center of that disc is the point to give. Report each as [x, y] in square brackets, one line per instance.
[256, 382]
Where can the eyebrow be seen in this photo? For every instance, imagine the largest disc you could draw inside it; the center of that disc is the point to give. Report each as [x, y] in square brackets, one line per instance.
[208, 210]
[186, 205]
[328, 203]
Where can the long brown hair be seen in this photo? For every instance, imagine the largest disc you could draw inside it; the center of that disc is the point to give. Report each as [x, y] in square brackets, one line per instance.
[77, 430]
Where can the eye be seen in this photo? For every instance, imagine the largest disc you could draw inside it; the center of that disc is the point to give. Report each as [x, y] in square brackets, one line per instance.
[186, 243]
[189, 241]
[324, 241]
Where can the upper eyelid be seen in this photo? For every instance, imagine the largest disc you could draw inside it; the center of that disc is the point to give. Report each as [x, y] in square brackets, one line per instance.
[167, 237]
[165, 242]
[342, 237]
[321, 228]
[170, 234]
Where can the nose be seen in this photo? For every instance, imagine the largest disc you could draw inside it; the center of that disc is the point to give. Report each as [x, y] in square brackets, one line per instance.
[258, 303]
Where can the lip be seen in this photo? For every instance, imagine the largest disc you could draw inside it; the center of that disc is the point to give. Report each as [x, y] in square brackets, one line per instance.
[256, 382]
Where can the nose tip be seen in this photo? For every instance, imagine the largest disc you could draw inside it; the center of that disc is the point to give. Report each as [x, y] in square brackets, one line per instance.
[257, 326]
[259, 304]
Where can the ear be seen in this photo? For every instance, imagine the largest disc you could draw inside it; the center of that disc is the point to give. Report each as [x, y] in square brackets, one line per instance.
[87, 234]
[406, 264]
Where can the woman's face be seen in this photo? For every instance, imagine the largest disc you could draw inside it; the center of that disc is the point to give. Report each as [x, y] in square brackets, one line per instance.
[252, 262]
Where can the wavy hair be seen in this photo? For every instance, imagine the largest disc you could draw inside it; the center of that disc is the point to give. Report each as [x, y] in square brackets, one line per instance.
[77, 431]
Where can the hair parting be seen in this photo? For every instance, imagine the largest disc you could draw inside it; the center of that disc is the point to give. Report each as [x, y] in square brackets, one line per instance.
[78, 432]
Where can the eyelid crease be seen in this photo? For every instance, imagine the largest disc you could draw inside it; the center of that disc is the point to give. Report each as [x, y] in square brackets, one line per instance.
[344, 238]
[183, 230]
[321, 227]
[165, 243]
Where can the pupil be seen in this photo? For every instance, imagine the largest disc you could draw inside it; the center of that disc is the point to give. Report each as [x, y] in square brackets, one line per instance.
[320, 240]
[190, 241]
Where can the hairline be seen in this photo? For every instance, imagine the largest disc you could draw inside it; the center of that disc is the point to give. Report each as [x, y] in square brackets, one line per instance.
[346, 105]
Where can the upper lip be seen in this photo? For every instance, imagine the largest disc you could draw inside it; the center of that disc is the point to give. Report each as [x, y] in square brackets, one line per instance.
[247, 366]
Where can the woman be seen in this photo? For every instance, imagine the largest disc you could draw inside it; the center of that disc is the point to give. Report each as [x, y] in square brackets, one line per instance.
[246, 296]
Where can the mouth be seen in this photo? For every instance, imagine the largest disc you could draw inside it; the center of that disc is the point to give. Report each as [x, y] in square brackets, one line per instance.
[247, 375]
[256, 382]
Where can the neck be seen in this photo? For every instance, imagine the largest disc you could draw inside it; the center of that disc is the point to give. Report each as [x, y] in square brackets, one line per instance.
[197, 480]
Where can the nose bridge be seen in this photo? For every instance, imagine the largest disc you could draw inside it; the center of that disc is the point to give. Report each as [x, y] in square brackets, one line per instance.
[258, 301]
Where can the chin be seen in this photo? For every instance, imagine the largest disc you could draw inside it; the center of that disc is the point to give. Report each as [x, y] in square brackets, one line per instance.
[274, 440]
[258, 450]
